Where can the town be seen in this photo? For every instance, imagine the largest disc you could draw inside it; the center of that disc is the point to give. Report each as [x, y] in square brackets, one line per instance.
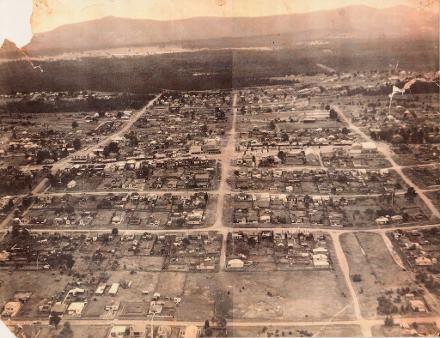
[187, 216]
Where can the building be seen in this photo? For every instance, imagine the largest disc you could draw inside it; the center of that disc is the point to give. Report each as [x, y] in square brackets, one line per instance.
[119, 331]
[100, 289]
[58, 309]
[368, 147]
[423, 261]
[11, 309]
[113, 289]
[320, 260]
[235, 264]
[418, 305]
[164, 331]
[190, 331]
[113, 306]
[71, 184]
[75, 309]
[195, 150]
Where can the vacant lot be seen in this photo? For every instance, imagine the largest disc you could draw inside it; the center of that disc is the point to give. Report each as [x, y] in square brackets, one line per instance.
[146, 263]
[43, 284]
[368, 256]
[279, 295]
[296, 331]
[299, 295]
[79, 331]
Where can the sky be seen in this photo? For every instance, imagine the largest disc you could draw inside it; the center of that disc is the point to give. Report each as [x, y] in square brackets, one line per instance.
[15, 19]
[49, 14]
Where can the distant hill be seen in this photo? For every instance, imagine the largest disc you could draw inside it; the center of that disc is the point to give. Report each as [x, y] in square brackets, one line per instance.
[352, 21]
[9, 50]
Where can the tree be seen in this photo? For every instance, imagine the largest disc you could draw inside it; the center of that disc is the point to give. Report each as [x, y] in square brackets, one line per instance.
[15, 231]
[284, 137]
[333, 114]
[282, 156]
[410, 193]
[75, 125]
[356, 278]
[54, 320]
[272, 125]
[66, 332]
[77, 144]
[42, 155]
[389, 321]
[10, 204]
[115, 232]
[113, 147]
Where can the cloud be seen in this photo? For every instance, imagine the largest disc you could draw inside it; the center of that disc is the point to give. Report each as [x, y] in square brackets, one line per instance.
[15, 21]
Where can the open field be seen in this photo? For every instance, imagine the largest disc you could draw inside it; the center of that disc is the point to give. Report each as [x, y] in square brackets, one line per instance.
[296, 331]
[368, 257]
[79, 331]
[299, 295]
[44, 287]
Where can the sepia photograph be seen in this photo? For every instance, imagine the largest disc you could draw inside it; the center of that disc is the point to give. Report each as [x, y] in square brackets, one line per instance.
[219, 168]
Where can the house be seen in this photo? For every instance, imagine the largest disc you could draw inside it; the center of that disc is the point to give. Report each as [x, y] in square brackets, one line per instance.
[119, 331]
[191, 331]
[294, 157]
[312, 157]
[113, 306]
[211, 146]
[113, 289]
[417, 305]
[164, 331]
[202, 180]
[76, 308]
[397, 218]
[195, 217]
[11, 309]
[382, 220]
[320, 260]
[71, 184]
[76, 291]
[368, 147]
[235, 264]
[320, 250]
[58, 309]
[156, 307]
[195, 150]
[423, 261]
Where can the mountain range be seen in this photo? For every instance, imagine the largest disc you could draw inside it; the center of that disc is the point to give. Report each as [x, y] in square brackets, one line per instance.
[9, 50]
[361, 22]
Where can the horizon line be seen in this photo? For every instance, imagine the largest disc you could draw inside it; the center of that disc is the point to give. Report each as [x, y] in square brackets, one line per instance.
[228, 16]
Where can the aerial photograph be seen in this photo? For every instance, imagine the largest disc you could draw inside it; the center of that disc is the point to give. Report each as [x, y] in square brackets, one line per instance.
[219, 168]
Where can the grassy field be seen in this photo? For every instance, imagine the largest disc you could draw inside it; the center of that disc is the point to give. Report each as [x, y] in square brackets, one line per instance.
[368, 256]
[43, 286]
[296, 331]
[78, 331]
